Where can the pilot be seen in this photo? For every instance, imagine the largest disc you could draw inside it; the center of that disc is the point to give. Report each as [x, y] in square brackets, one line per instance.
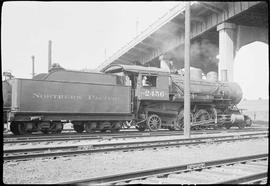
[145, 83]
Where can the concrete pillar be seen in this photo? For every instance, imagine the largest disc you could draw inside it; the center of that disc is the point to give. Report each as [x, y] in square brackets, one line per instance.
[226, 51]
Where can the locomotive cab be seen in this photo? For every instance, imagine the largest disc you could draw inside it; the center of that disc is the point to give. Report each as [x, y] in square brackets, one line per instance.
[149, 83]
[150, 89]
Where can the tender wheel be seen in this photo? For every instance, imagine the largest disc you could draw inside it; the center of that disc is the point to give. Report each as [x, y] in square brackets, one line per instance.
[57, 132]
[45, 131]
[57, 127]
[89, 127]
[14, 128]
[78, 128]
[21, 129]
[153, 122]
[116, 126]
[104, 126]
[228, 126]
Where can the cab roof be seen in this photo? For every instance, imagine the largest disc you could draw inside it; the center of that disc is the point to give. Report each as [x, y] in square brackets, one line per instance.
[114, 68]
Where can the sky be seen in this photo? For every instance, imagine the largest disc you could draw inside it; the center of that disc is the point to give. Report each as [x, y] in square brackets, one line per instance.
[84, 34]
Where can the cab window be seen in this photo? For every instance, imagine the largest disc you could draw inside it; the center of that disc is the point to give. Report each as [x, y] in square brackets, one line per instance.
[149, 81]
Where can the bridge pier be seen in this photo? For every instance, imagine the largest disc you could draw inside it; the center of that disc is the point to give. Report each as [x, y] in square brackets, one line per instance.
[226, 51]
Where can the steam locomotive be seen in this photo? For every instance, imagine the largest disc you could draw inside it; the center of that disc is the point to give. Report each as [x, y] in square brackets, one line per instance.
[146, 97]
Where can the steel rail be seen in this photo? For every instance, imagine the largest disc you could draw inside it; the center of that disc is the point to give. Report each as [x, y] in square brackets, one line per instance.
[75, 134]
[164, 171]
[104, 136]
[128, 143]
[94, 148]
[246, 179]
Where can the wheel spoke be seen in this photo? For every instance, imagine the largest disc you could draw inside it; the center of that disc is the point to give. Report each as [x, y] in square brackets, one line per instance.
[153, 122]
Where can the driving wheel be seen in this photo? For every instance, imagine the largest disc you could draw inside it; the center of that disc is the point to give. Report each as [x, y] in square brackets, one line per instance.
[153, 122]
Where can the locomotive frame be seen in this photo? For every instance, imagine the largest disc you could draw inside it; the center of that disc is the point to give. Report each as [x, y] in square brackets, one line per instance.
[158, 104]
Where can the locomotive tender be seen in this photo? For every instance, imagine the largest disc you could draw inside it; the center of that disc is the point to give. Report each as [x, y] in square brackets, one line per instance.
[148, 96]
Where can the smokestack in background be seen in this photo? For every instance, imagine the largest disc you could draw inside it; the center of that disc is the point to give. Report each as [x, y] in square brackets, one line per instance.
[49, 55]
[33, 66]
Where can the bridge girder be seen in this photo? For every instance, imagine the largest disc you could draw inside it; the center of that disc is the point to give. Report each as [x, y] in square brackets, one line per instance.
[205, 17]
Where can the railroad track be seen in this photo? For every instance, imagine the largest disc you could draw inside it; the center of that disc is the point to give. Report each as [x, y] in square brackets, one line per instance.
[29, 153]
[246, 169]
[100, 136]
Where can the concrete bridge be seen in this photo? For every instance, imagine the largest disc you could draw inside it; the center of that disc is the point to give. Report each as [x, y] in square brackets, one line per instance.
[217, 28]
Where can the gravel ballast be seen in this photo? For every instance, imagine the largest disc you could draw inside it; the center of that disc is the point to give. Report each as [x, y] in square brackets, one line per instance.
[63, 169]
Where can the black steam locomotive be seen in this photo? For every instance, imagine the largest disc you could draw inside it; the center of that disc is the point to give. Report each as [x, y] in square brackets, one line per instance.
[148, 97]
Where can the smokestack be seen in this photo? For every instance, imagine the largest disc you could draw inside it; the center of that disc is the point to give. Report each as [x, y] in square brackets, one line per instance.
[33, 66]
[50, 55]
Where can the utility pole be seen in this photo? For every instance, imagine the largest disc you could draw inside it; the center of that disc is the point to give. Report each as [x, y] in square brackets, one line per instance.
[33, 66]
[49, 55]
[187, 72]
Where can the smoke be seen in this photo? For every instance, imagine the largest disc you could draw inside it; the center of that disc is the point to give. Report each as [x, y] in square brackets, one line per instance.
[202, 55]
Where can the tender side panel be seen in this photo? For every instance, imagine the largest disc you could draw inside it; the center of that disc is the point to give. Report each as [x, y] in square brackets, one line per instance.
[84, 77]
[6, 90]
[66, 97]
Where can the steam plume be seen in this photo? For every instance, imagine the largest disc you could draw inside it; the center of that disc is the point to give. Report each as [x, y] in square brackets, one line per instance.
[203, 55]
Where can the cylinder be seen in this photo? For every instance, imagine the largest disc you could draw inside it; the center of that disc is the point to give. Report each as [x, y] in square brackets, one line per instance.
[237, 118]
[212, 76]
